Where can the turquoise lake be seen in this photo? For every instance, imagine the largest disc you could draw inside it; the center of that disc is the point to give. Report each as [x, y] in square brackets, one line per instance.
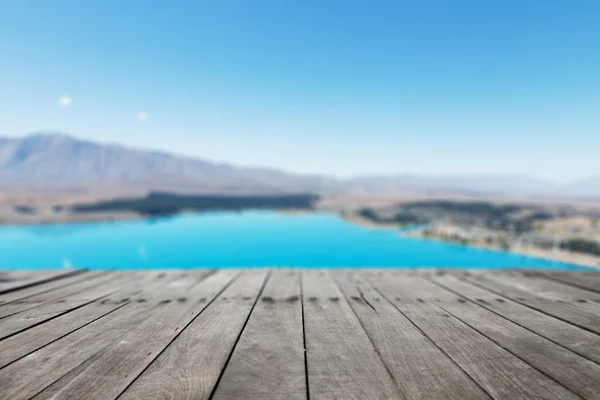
[247, 239]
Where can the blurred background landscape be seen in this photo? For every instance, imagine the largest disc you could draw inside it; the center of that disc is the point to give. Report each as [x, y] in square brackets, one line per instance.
[476, 123]
[57, 178]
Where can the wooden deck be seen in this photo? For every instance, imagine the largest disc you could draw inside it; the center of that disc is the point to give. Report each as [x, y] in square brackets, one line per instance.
[300, 334]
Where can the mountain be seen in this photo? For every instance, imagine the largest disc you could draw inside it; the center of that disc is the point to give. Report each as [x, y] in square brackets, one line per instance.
[57, 161]
[468, 184]
[585, 187]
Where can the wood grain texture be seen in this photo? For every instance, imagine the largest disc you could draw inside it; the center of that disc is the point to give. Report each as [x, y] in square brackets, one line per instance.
[370, 334]
[49, 297]
[499, 373]
[115, 367]
[583, 280]
[18, 280]
[547, 288]
[580, 341]
[573, 313]
[576, 373]
[268, 361]
[17, 346]
[342, 362]
[421, 370]
[49, 286]
[83, 294]
[29, 375]
[191, 366]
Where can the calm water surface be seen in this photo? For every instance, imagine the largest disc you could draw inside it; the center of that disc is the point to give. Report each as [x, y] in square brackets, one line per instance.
[246, 239]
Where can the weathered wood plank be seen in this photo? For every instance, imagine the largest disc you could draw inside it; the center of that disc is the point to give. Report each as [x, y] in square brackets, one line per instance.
[583, 280]
[420, 368]
[86, 293]
[49, 297]
[268, 361]
[17, 346]
[191, 366]
[536, 284]
[116, 366]
[580, 341]
[17, 280]
[49, 286]
[568, 312]
[29, 375]
[460, 340]
[498, 372]
[576, 373]
[342, 362]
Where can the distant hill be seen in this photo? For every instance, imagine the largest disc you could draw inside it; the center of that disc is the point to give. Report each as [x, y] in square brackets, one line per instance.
[586, 187]
[51, 161]
[476, 184]
[55, 160]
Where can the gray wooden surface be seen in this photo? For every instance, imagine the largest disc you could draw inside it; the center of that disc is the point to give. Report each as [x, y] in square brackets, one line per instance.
[500, 373]
[341, 359]
[191, 366]
[300, 334]
[271, 348]
[420, 368]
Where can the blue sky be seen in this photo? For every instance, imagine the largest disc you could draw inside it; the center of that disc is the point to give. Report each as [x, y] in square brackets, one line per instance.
[338, 87]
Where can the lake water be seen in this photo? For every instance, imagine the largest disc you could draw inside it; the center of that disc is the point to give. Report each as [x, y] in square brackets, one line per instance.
[247, 239]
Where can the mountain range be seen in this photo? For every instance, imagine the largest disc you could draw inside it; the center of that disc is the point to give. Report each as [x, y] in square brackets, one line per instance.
[57, 161]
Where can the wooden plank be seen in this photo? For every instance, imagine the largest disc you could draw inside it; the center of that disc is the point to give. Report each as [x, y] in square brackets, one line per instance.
[573, 371]
[28, 376]
[49, 286]
[268, 361]
[498, 372]
[17, 346]
[536, 284]
[583, 280]
[580, 341]
[115, 367]
[192, 364]
[86, 293]
[47, 297]
[420, 368]
[568, 312]
[342, 362]
[17, 280]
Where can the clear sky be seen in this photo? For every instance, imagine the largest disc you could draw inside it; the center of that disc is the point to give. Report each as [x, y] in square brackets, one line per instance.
[341, 87]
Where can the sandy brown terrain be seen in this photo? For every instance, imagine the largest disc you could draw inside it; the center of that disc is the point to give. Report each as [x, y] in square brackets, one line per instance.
[584, 260]
[565, 227]
[351, 202]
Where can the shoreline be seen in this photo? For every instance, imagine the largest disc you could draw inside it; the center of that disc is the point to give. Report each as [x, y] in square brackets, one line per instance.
[115, 216]
[151, 205]
[567, 257]
[563, 256]
[578, 259]
[70, 219]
